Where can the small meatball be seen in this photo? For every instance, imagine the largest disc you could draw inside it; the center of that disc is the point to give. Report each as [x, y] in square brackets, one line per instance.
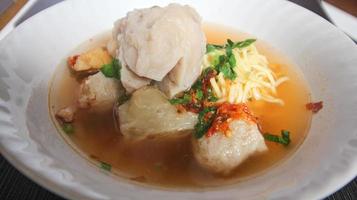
[91, 60]
[221, 154]
[66, 114]
[149, 114]
[99, 92]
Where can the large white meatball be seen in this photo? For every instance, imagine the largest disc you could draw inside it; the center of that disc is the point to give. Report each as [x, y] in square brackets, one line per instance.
[148, 113]
[220, 153]
[161, 44]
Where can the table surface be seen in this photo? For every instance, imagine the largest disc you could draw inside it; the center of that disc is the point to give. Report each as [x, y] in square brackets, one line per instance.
[14, 185]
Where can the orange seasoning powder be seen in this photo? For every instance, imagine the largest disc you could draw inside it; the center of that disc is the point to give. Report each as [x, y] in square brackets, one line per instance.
[227, 112]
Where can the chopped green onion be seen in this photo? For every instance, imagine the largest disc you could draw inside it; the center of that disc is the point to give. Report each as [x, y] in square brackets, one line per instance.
[230, 43]
[229, 51]
[227, 71]
[232, 60]
[212, 98]
[185, 99]
[284, 139]
[197, 85]
[212, 47]
[112, 70]
[226, 64]
[244, 43]
[199, 94]
[68, 128]
[105, 166]
[204, 123]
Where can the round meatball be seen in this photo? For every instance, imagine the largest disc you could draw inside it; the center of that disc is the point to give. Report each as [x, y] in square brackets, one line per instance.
[99, 93]
[221, 154]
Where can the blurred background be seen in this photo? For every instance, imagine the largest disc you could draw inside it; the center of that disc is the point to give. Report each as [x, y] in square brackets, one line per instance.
[343, 13]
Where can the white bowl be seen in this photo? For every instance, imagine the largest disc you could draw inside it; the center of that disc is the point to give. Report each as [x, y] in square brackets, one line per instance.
[328, 59]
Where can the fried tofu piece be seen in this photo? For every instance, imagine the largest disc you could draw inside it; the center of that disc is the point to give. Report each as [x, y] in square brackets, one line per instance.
[91, 60]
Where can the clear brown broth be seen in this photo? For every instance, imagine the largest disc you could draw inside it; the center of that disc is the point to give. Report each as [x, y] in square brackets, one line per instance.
[170, 162]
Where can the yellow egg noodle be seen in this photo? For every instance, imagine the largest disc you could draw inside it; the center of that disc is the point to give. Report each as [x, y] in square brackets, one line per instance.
[255, 79]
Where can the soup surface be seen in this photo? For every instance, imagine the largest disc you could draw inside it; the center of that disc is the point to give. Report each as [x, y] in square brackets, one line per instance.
[170, 162]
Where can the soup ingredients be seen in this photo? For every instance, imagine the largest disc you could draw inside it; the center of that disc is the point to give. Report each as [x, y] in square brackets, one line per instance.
[99, 93]
[239, 137]
[221, 154]
[161, 44]
[205, 119]
[314, 107]
[112, 70]
[66, 114]
[199, 96]
[180, 106]
[284, 139]
[91, 60]
[105, 166]
[131, 81]
[68, 128]
[227, 112]
[243, 73]
[149, 114]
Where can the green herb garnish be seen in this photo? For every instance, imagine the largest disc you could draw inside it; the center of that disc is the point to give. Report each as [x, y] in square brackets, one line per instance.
[232, 60]
[205, 119]
[68, 128]
[284, 139]
[244, 43]
[199, 94]
[226, 64]
[227, 71]
[230, 43]
[212, 47]
[105, 166]
[185, 99]
[112, 70]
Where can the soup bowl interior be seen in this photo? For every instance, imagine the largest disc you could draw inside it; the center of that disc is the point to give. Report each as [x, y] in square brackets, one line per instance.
[324, 55]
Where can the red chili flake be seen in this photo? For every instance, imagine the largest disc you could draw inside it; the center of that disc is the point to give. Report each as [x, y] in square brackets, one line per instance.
[180, 108]
[227, 112]
[206, 80]
[72, 60]
[192, 107]
[314, 107]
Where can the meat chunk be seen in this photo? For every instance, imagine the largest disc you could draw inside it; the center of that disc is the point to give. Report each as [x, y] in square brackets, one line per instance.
[66, 114]
[99, 92]
[221, 154]
[91, 60]
[161, 44]
[149, 114]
